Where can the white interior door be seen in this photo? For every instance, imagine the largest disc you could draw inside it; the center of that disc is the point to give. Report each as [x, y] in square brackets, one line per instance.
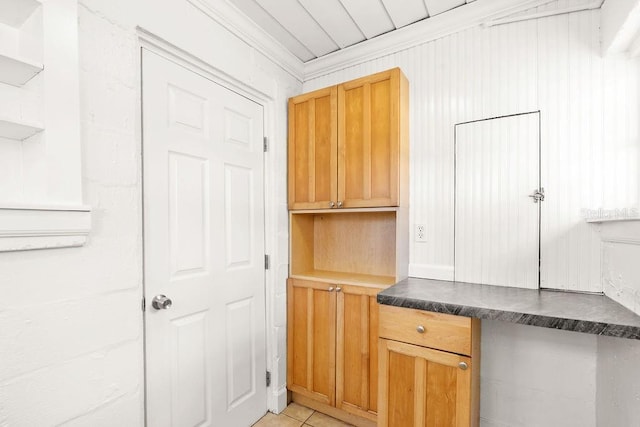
[496, 221]
[204, 250]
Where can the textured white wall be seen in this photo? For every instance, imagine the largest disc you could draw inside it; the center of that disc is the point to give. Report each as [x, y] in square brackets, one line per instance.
[71, 333]
[589, 109]
[620, 255]
[533, 376]
[618, 380]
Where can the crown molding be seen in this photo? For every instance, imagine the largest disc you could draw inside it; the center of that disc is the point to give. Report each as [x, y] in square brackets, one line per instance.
[444, 24]
[239, 24]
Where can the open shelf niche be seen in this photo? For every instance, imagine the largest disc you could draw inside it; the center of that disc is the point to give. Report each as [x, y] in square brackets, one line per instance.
[18, 131]
[41, 196]
[348, 247]
[21, 41]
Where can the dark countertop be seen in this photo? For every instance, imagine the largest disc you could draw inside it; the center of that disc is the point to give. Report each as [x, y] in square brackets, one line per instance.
[591, 314]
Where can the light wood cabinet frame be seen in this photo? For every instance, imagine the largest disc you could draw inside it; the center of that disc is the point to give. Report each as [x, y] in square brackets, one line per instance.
[414, 413]
[311, 368]
[370, 127]
[367, 164]
[357, 368]
[313, 149]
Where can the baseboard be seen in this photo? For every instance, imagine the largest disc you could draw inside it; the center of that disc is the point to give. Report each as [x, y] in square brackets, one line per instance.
[332, 411]
[431, 271]
[277, 400]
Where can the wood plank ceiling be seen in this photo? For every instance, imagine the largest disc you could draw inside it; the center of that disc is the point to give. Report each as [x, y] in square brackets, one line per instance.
[314, 28]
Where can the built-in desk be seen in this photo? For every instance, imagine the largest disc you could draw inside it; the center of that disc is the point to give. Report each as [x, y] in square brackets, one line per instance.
[591, 314]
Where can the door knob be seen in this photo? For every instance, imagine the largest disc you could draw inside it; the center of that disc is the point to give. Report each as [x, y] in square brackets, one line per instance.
[463, 366]
[332, 205]
[339, 204]
[161, 302]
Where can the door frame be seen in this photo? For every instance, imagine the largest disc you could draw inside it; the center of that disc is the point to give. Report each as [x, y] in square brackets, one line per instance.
[540, 184]
[276, 399]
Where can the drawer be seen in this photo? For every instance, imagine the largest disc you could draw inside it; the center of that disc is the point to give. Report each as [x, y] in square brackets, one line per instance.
[424, 328]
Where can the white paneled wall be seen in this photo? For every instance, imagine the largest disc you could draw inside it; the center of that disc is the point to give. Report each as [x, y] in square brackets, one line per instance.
[589, 110]
[496, 222]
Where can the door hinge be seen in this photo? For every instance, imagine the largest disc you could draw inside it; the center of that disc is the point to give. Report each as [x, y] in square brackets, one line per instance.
[266, 262]
[265, 144]
[268, 378]
[144, 304]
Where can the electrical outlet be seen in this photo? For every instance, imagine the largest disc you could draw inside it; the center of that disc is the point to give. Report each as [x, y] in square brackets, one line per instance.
[421, 233]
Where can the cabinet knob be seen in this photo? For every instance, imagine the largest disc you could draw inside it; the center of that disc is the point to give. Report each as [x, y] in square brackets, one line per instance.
[331, 288]
[332, 205]
[420, 329]
[463, 366]
[338, 289]
[339, 203]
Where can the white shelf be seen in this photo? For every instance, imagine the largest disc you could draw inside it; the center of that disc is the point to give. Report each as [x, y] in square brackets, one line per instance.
[17, 71]
[28, 228]
[609, 220]
[344, 210]
[18, 131]
[15, 12]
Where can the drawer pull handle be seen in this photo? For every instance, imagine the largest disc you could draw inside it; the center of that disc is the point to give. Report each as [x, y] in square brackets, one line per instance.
[463, 366]
[420, 329]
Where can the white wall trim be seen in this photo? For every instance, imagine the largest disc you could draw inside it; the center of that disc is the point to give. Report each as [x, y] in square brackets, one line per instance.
[170, 51]
[436, 27]
[240, 25]
[623, 241]
[620, 23]
[28, 228]
[276, 399]
[429, 271]
[597, 4]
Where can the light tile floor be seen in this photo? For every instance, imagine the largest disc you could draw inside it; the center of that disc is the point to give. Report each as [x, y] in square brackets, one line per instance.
[296, 416]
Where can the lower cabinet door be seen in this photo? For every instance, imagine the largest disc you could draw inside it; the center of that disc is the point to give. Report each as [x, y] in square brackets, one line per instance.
[420, 386]
[357, 351]
[311, 339]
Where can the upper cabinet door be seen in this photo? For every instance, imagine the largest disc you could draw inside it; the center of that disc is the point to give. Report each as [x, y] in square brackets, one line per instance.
[349, 144]
[370, 128]
[313, 148]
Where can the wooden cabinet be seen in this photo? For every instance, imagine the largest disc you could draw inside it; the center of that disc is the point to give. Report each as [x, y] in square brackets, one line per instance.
[332, 354]
[357, 351]
[350, 247]
[313, 149]
[348, 144]
[311, 336]
[429, 369]
[348, 148]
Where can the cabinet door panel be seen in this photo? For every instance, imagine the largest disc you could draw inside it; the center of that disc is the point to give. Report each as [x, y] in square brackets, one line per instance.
[313, 149]
[440, 397]
[423, 387]
[368, 140]
[401, 389]
[356, 353]
[311, 336]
